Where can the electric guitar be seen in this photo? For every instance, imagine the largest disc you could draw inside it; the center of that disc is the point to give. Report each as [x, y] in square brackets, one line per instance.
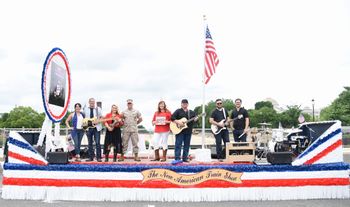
[216, 129]
[91, 122]
[176, 128]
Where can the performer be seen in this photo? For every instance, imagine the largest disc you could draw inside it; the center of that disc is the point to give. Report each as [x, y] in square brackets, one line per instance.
[240, 120]
[113, 138]
[95, 131]
[77, 132]
[219, 117]
[185, 135]
[131, 118]
[161, 120]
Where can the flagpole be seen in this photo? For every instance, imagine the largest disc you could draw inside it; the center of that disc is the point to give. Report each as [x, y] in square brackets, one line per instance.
[203, 104]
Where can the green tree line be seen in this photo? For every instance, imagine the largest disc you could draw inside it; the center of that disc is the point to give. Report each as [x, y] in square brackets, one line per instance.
[263, 111]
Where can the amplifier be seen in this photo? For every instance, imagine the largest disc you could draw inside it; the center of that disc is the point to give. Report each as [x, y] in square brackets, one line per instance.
[57, 157]
[278, 158]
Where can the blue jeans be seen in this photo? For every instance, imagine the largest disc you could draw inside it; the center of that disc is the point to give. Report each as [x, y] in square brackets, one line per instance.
[179, 139]
[237, 133]
[92, 132]
[78, 136]
[222, 136]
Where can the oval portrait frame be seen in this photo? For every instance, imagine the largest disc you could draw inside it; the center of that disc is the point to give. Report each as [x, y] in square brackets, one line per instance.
[56, 85]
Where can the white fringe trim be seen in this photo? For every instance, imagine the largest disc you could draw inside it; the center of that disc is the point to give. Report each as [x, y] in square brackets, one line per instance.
[172, 194]
[41, 174]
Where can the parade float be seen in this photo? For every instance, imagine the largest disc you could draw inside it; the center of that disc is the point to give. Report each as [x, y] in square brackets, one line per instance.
[317, 170]
[317, 173]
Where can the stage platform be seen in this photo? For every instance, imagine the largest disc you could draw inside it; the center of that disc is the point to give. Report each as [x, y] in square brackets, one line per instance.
[165, 182]
[318, 173]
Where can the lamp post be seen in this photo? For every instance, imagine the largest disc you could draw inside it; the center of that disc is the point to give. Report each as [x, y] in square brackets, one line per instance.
[313, 110]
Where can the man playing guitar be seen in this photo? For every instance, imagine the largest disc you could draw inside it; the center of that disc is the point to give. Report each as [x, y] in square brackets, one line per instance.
[94, 132]
[185, 135]
[219, 119]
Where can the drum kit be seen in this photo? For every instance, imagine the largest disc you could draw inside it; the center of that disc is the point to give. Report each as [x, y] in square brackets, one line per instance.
[262, 136]
[271, 140]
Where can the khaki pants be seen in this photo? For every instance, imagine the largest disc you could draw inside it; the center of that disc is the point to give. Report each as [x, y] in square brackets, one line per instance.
[134, 136]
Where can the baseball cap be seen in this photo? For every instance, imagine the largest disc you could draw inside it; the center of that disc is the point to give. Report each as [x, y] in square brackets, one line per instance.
[184, 101]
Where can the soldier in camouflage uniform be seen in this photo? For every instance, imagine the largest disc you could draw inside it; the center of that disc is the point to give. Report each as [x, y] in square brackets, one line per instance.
[132, 118]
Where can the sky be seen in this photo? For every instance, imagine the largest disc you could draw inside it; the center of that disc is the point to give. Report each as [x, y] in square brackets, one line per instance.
[151, 50]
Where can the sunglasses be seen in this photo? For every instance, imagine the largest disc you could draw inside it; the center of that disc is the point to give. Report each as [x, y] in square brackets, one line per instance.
[219, 103]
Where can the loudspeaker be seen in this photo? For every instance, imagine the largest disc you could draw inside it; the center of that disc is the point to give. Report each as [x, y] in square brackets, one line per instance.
[57, 157]
[278, 158]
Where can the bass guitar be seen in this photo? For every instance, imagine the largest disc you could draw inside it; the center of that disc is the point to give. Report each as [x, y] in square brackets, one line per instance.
[176, 128]
[216, 129]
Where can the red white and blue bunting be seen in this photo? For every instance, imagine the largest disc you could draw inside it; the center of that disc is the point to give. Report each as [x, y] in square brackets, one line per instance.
[28, 176]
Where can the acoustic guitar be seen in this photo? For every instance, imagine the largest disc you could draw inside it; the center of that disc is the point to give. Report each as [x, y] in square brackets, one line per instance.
[176, 128]
[91, 122]
[115, 122]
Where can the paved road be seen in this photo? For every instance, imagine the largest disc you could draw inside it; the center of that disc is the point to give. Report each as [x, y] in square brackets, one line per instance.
[297, 203]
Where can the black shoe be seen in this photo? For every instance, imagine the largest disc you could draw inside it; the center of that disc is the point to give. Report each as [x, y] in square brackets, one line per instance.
[99, 160]
[186, 161]
[90, 159]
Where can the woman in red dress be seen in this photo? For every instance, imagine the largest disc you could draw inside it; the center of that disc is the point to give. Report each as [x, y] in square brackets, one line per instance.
[113, 134]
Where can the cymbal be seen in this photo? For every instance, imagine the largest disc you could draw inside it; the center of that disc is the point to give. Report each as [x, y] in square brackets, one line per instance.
[289, 131]
[265, 124]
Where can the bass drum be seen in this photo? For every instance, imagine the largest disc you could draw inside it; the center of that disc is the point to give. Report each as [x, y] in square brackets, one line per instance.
[278, 147]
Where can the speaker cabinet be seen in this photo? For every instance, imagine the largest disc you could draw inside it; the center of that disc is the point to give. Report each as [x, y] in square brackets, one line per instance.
[57, 157]
[279, 158]
[240, 151]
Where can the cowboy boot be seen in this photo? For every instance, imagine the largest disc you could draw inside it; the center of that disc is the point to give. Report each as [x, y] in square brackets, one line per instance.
[121, 159]
[136, 158]
[156, 155]
[115, 157]
[106, 156]
[164, 155]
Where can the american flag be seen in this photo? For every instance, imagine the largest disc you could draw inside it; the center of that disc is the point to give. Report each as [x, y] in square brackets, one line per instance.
[211, 58]
[301, 118]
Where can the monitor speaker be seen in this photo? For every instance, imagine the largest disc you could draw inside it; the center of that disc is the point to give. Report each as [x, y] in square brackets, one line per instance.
[279, 158]
[57, 157]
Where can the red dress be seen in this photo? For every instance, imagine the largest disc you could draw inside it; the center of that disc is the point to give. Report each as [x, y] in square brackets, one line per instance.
[114, 137]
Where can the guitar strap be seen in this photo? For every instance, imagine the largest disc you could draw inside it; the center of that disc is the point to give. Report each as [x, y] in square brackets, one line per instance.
[224, 111]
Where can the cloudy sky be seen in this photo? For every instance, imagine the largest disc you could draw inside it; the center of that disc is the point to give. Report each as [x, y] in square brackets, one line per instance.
[291, 51]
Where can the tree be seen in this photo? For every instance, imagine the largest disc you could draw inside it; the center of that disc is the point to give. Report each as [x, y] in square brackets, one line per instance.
[289, 118]
[261, 104]
[3, 118]
[264, 114]
[22, 117]
[339, 108]
[63, 121]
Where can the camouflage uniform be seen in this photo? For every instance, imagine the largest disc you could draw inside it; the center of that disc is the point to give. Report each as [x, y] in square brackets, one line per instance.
[130, 129]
